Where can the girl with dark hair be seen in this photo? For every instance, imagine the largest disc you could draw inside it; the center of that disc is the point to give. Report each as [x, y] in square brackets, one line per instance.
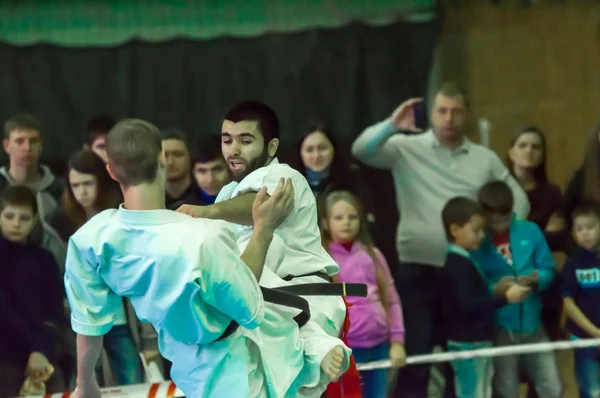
[527, 163]
[91, 191]
[326, 170]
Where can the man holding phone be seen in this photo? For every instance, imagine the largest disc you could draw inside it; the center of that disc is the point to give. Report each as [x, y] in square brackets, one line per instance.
[428, 170]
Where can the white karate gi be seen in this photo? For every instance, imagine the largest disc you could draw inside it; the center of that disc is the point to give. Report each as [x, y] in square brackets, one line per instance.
[181, 274]
[297, 248]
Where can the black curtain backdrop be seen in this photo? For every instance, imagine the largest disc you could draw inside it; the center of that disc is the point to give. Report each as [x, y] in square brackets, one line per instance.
[348, 78]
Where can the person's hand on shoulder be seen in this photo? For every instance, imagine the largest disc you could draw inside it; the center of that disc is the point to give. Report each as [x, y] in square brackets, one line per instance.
[270, 212]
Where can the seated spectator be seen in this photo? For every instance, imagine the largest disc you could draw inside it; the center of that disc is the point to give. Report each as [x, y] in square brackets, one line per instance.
[91, 191]
[180, 189]
[209, 168]
[517, 250]
[31, 300]
[97, 129]
[23, 144]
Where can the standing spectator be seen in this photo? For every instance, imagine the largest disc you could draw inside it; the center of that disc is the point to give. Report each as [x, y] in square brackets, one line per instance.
[527, 159]
[428, 169]
[376, 326]
[31, 294]
[180, 189]
[97, 129]
[23, 144]
[324, 167]
[91, 191]
[470, 305]
[581, 294]
[209, 168]
[517, 249]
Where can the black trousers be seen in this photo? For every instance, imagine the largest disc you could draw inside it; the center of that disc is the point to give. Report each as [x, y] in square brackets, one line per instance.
[419, 287]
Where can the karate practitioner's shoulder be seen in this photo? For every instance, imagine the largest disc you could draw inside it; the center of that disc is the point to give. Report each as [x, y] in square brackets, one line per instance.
[269, 177]
[91, 230]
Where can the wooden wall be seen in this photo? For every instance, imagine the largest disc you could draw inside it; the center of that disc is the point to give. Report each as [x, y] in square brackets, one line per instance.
[536, 66]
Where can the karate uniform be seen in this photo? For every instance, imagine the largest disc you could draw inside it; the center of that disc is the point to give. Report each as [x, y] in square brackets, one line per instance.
[296, 249]
[185, 277]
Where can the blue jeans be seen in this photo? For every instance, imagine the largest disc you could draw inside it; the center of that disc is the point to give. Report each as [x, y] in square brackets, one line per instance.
[472, 377]
[374, 383]
[587, 371]
[123, 356]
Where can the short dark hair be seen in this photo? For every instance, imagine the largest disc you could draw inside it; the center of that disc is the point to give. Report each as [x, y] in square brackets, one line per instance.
[207, 149]
[452, 90]
[99, 125]
[172, 134]
[18, 195]
[585, 209]
[133, 147]
[268, 123]
[22, 121]
[496, 197]
[459, 211]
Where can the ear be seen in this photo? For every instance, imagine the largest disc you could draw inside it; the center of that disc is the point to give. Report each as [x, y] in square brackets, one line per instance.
[111, 173]
[454, 229]
[511, 154]
[162, 160]
[5, 143]
[272, 147]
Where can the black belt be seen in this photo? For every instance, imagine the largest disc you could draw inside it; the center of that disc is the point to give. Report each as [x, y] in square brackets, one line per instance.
[280, 297]
[289, 296]
[327, 289]
[320, 274]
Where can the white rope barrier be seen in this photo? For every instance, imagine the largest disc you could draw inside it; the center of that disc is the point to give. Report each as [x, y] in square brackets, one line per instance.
[166, 389]
[485, 352]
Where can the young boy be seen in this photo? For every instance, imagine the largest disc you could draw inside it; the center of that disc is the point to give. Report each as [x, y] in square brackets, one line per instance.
[581, 295]
[31, 299]
[469, 304]
[517, 249]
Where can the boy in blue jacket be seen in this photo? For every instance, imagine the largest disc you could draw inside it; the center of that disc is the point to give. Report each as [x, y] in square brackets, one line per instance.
[517, 249]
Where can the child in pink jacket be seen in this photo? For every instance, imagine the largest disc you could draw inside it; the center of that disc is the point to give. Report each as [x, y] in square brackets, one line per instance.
[376, 325]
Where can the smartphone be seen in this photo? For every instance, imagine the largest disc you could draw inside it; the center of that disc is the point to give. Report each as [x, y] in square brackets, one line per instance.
[420, 115]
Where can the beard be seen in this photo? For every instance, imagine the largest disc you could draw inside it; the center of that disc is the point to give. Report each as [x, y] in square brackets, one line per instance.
[249, 166]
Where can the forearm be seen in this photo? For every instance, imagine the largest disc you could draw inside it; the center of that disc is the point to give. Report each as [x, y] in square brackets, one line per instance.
[256, 252]
[237, 210]
[88, 353]
[368, 144]
[577, 316]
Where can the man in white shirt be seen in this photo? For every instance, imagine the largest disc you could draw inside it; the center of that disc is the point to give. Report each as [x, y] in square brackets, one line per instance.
[184, 276]
[428, 170]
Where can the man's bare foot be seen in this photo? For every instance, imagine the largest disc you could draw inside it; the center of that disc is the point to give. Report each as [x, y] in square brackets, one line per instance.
[332, 363]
